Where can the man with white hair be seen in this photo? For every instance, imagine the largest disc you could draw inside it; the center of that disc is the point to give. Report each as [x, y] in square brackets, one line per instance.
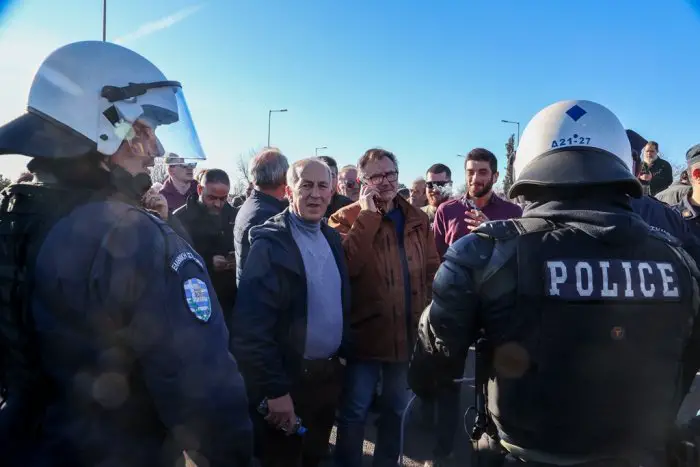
[268, 171]
[288, 326]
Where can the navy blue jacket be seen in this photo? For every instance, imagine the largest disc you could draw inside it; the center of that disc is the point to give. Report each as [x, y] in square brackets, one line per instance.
[658, 214]
[690, 214]
[269, 319]
[256, 209]
[662, 216]
[133, 340]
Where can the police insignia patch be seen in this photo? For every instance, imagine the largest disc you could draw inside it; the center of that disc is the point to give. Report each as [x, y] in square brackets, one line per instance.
[197, 298]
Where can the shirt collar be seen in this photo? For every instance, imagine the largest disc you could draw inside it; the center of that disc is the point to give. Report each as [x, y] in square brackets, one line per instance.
[688, 209]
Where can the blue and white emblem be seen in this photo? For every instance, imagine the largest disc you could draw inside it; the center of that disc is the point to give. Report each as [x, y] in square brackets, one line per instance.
[197, 297]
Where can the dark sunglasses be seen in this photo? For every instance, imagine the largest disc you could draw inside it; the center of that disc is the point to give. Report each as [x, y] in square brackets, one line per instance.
[432, 185]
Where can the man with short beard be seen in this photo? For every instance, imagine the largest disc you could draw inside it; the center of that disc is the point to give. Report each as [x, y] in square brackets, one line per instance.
[209, 220]
[456, 218]
[180, 184]
[438, 187]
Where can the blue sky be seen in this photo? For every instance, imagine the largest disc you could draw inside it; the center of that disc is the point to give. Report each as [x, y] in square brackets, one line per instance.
[425, 79]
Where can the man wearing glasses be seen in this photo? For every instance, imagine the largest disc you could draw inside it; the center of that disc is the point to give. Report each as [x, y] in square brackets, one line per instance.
[180, 184]
[438, 189]
[348, 185]
[391, 259]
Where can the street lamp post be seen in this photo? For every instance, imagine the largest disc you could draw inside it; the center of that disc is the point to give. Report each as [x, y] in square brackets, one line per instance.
[269, 120]
[322, 147]
[515, 123]
[104, 20]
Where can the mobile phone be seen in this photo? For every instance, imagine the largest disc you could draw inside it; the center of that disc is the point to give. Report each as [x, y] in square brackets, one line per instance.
[470, 204]
[378, 203]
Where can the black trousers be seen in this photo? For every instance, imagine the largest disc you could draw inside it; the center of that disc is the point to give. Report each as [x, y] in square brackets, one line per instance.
[315, 396]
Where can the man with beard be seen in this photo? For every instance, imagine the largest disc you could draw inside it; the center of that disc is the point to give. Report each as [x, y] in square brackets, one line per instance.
[438, 187]
[209, 219]
[180, 184]
[456, 218]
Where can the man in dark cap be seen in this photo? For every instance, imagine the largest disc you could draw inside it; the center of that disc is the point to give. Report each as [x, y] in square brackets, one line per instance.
[689, 207]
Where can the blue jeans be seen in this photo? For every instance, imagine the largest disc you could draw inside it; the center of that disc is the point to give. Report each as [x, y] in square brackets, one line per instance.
[361, 379]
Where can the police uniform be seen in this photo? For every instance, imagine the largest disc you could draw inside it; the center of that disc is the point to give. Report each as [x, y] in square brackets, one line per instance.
[586, 311]
[688, 211]
[690, 214]
[116, 347]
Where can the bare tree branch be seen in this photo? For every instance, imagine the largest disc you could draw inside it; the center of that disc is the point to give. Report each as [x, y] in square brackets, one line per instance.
[510, 160]
[4, 182]
[677, 169]
[242, 169]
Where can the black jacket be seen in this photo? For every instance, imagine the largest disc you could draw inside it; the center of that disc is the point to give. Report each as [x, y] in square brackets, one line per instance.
[661, 175]
[338, 202]
[269, 321]
[211, 236]
[496, 286]
[256, 209]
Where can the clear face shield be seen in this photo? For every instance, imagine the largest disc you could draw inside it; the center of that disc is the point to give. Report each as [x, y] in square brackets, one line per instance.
[155, 120]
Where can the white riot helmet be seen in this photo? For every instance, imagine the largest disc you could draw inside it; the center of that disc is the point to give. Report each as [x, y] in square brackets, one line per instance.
[574, 143]
[86, 96]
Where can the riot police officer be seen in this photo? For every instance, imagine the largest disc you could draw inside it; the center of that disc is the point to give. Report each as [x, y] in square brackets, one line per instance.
[115, 348]
[586, 311]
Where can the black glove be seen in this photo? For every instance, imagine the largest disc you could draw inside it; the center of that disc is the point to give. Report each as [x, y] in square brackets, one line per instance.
[428, 374]
[684, 445]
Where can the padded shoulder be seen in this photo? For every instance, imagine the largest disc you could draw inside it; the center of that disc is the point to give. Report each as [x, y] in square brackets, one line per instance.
[511, 228]
[472, 251]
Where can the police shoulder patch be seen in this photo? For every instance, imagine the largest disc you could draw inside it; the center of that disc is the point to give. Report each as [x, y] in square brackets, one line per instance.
[197, 298]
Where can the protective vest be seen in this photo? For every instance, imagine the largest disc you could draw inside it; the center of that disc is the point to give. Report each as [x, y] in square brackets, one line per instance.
[591, 359]
[27, 213]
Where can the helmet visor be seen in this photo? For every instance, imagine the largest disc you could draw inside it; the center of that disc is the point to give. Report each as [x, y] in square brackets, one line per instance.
[165, 111]
[173, 125]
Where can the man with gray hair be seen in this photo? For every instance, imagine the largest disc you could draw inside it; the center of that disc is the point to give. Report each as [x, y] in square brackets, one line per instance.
[288, 330]
[268, 172]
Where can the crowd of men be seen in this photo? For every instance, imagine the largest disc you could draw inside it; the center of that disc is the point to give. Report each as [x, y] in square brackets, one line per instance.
[275, 250]
[391, 261]
[138, 322]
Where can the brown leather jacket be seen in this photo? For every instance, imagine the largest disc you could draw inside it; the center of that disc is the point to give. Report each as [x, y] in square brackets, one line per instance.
[378, 321]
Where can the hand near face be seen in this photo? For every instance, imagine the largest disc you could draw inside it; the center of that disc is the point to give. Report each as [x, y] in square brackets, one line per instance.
[474, 218]
[156, 202]
[367, 196]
